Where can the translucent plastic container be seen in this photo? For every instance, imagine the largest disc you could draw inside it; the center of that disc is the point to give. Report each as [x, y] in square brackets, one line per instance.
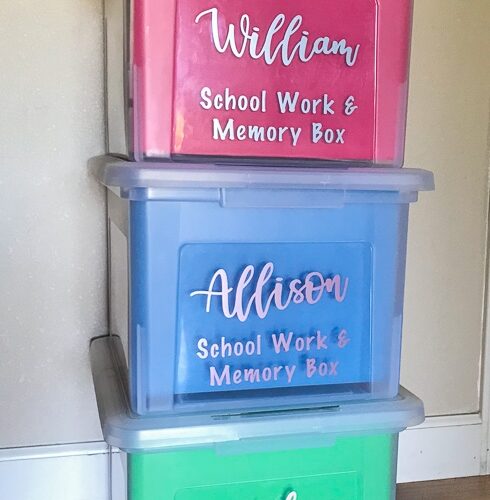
[346, 452]
[261, 79]
[257, 288]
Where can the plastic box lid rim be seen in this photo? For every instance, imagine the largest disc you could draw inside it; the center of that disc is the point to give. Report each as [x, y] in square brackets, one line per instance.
[117, 173]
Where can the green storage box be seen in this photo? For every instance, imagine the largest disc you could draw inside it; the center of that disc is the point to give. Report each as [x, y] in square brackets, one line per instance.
[352, 468]
[342, 452]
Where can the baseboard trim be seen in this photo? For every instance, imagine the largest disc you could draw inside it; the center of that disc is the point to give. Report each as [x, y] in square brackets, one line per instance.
[53, 451]
[450, 421]
[441, 448]
[59, 472]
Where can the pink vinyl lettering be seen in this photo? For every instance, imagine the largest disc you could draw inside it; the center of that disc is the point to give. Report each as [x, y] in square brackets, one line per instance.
[323, 368]
[311, 289]
[343, 339]
[227, 376]
[283, 343]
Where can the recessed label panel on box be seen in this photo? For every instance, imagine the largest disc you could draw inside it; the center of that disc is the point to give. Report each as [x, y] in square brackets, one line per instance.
[344, 486]
[292, 317]
[275, 78]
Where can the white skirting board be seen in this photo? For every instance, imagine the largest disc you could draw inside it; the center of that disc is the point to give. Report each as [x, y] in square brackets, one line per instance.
[442, 447]
[61, 472]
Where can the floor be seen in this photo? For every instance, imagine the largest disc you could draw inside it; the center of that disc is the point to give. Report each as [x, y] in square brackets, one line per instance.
[472, 488]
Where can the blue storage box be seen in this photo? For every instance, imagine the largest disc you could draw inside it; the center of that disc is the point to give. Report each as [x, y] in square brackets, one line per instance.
[258, 287]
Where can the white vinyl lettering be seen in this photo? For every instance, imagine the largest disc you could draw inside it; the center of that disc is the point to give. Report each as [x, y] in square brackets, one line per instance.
[231, 131]
[245, 38]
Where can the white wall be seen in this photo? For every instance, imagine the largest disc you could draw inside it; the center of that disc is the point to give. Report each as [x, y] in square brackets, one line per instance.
[448, 132]
[52, 248]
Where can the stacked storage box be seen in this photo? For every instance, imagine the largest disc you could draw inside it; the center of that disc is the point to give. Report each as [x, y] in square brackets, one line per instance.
[256, 248]
[258, 79]
[346, 451]
[265, 305]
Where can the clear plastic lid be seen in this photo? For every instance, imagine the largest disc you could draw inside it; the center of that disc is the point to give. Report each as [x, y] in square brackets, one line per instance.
[127, 176]
[237, 430]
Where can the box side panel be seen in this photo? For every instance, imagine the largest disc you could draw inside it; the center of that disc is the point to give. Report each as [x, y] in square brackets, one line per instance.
[118, 269]
[155, 234]
[118, 285]
[392, 74]
[152, 76]
[390, 235]
[116, 76]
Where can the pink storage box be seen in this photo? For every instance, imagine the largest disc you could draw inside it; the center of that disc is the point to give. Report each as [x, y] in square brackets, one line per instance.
[248, 79]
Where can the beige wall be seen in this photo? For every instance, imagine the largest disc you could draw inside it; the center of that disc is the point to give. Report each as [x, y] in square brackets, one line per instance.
[52, 245]
[52, 249]
[448, 130]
